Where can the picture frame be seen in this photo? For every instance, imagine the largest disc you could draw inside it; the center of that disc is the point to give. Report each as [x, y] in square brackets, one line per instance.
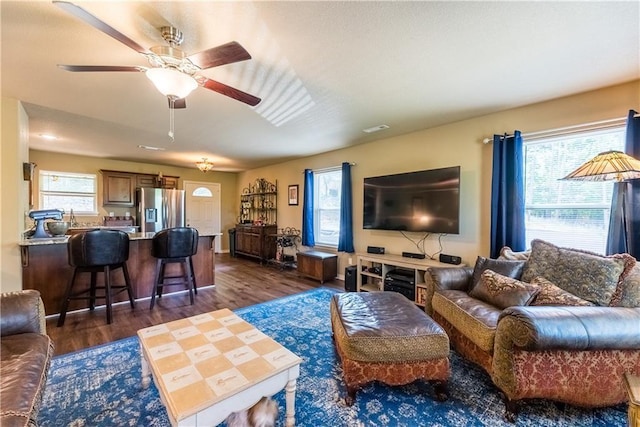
[293, 195]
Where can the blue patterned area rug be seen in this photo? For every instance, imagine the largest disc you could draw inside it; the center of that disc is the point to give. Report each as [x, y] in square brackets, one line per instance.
[100, 386]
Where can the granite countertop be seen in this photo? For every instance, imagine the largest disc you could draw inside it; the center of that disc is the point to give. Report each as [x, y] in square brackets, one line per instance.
[63, 239]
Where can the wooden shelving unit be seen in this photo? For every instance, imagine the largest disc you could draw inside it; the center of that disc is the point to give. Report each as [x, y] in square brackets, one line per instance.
[257, 223]
[374, 267]
[259, 203]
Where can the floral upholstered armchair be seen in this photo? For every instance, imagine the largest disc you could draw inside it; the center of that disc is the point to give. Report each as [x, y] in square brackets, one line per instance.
[557, 323]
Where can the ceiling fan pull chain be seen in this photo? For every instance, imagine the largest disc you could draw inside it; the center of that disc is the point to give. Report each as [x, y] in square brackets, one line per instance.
[172, 102]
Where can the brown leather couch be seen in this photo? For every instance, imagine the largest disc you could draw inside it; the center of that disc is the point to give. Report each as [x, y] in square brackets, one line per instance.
[25, 355]
[572, 354]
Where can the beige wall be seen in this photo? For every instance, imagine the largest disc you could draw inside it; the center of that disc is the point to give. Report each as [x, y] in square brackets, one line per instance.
[458, 143]
[14, 197]
[80, 164]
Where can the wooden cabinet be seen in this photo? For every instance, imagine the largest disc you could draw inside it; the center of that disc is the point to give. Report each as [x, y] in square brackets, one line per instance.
[146, 180]
[118, 189]
[257, 241]
[169, 182]
[46, 269]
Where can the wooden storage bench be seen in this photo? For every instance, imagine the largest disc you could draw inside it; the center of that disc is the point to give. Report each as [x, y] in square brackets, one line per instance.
[318, 265]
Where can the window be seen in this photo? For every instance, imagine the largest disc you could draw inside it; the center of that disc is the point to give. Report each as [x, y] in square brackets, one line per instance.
[568, 213]
[202, 192]
[326, 191]
[65, 190]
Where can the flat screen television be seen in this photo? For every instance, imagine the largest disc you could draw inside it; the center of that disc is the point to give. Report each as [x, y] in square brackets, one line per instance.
[425, 201]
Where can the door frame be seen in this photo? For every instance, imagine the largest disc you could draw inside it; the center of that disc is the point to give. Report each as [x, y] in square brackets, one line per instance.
[218, 202]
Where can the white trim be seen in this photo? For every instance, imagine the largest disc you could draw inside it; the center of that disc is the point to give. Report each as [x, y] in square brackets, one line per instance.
[568, 130]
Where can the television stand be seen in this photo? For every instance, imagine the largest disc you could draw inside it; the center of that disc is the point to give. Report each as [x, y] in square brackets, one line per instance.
[374, 267]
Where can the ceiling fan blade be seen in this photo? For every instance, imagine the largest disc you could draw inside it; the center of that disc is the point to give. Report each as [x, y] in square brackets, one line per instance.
[220, 55]
[231, 92]
[85, 68]
[85, 16]
[177, 103]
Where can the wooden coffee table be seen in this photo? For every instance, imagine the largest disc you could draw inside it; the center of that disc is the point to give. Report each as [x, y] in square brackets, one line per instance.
[210, 365]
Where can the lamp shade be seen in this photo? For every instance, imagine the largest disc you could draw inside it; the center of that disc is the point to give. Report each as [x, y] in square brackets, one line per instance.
[607, 166]
[171, 82]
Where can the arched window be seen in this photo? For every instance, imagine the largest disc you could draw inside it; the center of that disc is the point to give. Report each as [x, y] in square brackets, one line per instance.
[202, 192]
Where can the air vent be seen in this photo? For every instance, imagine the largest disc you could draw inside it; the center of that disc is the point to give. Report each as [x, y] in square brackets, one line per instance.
[375, 128]
[150, 148]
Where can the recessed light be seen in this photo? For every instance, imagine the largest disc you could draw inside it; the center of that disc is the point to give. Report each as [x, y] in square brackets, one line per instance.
[150, 148]
[48, 136]
[375, 128]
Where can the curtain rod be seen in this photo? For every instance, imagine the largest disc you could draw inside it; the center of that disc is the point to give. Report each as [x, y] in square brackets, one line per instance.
[602, 124]
[330, 168]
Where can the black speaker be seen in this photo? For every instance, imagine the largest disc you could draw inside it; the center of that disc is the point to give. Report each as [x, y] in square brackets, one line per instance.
[350, 278]
[375, 249]
[450, 259]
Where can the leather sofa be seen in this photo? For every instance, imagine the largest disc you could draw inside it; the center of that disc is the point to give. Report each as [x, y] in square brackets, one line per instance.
[573, 354]
[25, 356]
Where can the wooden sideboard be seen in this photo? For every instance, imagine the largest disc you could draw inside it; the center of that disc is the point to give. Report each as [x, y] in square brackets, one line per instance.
[257, 241]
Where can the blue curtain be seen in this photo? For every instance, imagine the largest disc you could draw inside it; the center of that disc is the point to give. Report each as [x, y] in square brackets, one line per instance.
[345, 238]
[507, 194]
[307, 210]
[624, 223]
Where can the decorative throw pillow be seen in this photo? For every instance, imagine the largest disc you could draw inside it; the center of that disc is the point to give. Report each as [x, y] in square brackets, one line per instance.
[623, 288]
[587, 275]
[630, 290]
[505, 267]
[502, 291]
[550, 294]
[508, 253]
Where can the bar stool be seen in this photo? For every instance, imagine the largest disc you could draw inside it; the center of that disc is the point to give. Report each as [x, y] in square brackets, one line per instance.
[174, 245]
[194, 250]
[97, 251]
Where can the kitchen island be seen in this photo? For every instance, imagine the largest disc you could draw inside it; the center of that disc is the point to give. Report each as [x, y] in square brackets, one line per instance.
[45, 268]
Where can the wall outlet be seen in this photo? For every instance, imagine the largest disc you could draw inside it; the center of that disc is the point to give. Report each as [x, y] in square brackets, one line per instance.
[350, 261]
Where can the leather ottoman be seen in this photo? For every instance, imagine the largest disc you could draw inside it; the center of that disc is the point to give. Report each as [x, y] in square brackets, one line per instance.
[382, 336]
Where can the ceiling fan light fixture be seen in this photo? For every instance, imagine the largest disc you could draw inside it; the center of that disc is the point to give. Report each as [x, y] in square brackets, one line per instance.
[170, 82]
[205, 165]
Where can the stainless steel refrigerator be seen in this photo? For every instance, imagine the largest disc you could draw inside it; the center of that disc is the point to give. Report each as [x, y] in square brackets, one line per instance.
[159, 208]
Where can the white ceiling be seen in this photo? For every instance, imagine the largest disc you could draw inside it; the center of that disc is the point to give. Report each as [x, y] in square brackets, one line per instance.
[325, 71]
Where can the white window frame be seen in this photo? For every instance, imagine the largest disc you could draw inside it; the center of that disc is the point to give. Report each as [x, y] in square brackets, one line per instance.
[578, 240]
[70, 193]
[317, 210]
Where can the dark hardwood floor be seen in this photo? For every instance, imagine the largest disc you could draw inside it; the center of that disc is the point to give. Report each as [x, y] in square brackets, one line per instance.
[239, 283]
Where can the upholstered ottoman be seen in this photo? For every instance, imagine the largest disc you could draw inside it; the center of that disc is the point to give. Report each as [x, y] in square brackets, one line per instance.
[382, 336]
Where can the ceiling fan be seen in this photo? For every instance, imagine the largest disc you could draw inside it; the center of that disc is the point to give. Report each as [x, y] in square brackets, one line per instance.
[173, 73]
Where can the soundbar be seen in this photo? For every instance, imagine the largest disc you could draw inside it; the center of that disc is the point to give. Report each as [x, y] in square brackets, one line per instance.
[450, 259]
[375, 249]
[413, 255]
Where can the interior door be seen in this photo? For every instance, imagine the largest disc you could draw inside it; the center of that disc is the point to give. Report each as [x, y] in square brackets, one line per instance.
[203, 208]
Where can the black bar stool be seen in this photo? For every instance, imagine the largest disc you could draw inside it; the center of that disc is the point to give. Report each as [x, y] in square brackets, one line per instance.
[174, 245]
[97, 251]
[194, 250]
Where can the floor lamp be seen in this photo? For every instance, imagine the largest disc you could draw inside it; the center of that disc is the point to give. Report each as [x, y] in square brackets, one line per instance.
[610, 166]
